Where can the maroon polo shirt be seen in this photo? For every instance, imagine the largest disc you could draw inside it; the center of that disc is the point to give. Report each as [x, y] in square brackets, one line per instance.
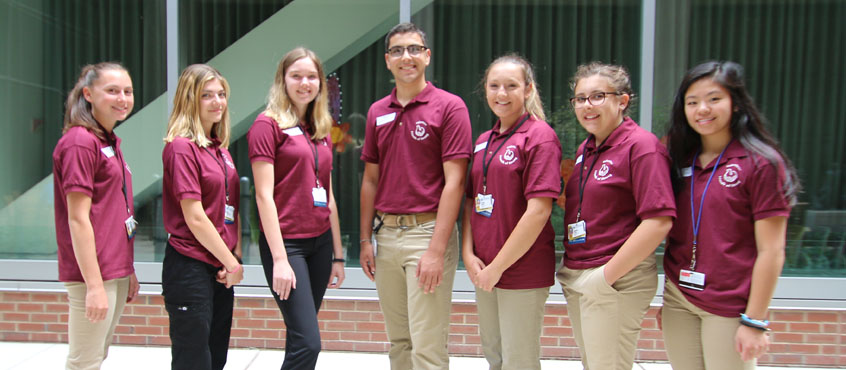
[525, 167]
[745, 188]
[629, 183]
[191, 172]
[85, 164]
[410, 145]
[291, 154]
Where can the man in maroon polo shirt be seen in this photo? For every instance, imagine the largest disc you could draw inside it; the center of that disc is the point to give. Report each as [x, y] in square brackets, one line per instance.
[417, 145]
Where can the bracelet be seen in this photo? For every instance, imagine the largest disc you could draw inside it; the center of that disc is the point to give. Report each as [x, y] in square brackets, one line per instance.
[752, 323]
[761, 328]
[233, 271]
[338, 260]
[363, 240]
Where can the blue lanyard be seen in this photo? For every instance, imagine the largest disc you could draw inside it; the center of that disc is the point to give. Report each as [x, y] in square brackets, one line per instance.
[696, 218]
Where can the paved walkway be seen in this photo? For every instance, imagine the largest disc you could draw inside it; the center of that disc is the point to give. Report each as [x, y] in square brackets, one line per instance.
[29, 356]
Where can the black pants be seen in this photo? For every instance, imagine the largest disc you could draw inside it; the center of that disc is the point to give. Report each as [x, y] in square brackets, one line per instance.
[200, 312]
[311, 260]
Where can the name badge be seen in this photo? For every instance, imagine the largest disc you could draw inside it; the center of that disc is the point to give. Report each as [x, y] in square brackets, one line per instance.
[108, 151]
[293, 131]
[687, 171]
[229, 215]
[577, 232]
[386, 118]
[691, 280]
[319, 195]
[579, 160]
[480, 146]
[131, 227]
[484, 204]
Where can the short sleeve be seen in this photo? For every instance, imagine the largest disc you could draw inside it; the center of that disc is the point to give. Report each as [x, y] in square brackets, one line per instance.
[370, 150]
[457, 134]
[651, 185]
[767, 191]
[79, 164]
[183, 166]
[542, 177]
[262, 140]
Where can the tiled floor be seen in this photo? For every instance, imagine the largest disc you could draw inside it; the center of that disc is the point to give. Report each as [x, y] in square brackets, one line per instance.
[28, 356]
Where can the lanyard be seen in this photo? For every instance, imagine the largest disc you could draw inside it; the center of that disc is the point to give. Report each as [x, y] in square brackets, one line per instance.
[486, 164]
[113, 143]
[582, 186]
[696, 219]
[225, 172]
[313, 148]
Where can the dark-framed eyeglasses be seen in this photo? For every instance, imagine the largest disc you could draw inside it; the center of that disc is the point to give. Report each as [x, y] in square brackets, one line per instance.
[413, 50]
[594, 99]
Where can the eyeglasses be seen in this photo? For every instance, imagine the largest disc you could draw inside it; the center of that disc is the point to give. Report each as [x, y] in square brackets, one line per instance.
[594, 99]
[413, 50]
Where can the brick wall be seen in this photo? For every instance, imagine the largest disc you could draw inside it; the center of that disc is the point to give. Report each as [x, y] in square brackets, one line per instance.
[814, 338]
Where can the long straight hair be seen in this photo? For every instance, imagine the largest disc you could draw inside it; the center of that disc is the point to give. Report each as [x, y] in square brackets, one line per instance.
[185, 118]
[78, 111]
[279, 106]
[747, 125]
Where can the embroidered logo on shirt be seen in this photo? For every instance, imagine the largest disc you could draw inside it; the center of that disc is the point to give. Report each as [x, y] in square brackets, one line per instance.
[731, 177]
[419, 133]
[508, 157]
[227, 160]
[604, 172]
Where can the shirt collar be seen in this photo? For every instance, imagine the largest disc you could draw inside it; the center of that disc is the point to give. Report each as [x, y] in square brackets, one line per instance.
[422, 97]
[617, 136]
[523, 128]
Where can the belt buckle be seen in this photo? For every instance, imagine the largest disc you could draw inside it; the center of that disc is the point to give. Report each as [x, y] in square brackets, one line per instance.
[400, 224]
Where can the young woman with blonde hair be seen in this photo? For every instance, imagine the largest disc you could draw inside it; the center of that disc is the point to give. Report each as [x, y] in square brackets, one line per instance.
[508, 240]
[300, 242]
[94, 212]
[200, 196]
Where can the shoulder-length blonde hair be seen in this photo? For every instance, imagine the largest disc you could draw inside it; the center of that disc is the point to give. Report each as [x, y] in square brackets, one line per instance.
[185, 118]
[78, 111]
[533, 103]
[279, 106]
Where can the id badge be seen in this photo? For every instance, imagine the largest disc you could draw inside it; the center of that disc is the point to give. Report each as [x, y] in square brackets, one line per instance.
[576, 232]
[484, 204]
[319, 195]
[131, 227]
[692, 280]
[229, 215]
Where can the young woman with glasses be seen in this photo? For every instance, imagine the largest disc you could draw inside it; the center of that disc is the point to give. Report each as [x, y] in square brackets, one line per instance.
[734, 191]
[94, 212]
[300, 242]
[200, 200]
[508, 240]
[619, 207]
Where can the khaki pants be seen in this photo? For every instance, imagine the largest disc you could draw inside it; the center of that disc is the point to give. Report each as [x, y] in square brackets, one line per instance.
[88, 343]
[607, 319]
[510, 322]
[417, 324]
[697, 339]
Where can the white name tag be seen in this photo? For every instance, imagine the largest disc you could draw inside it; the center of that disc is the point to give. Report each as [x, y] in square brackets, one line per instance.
[229, 214]
[480, 146]
[579, 160]
[691, 280]
[293, 131]
[687, 171]
[108, 151]
[387, 118]
[319, 196]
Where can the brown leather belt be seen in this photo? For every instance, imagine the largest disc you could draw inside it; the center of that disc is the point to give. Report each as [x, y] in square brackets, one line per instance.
[406, 220]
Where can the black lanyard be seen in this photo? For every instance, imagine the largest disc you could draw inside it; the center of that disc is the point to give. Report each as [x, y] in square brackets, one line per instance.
[486, 164]
[225, 172]
[112, 141]
[313, 148]
[582, 172]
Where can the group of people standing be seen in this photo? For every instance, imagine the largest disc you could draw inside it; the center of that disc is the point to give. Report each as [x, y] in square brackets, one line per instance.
[627, 194]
